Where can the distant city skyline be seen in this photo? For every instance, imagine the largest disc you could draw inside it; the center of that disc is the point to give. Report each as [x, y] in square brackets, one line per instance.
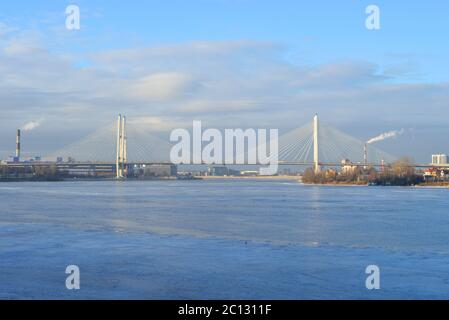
[239, 63]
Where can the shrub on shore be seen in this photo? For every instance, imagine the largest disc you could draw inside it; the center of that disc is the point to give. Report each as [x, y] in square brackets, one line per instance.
[399, 173]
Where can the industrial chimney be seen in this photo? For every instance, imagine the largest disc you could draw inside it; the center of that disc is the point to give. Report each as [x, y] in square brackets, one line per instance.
[18, 144]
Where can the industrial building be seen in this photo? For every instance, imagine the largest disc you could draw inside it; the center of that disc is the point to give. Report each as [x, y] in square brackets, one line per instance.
[217, 171]
[439, 159]
[221, 171]
[347, 167]
[153, 170]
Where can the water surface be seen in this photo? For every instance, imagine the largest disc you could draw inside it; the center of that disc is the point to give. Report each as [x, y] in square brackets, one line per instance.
[245, 239]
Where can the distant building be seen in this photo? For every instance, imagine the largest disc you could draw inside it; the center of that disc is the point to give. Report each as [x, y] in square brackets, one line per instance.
[232, 172]
[249, 173]
[347, 166]
[430, 174]
[434, 174]
[438, 159]
[160, 170]
[218, 171]
[15, 159]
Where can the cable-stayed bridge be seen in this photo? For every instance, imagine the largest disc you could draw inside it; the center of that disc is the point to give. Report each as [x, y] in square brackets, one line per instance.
[314, 144]
[320, 144]
[101, 146]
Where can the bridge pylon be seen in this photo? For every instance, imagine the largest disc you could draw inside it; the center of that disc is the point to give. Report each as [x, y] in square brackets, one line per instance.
[316, 144]
[121, 157]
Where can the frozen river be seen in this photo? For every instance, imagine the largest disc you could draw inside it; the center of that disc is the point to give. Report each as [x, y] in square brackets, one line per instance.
[222, 240]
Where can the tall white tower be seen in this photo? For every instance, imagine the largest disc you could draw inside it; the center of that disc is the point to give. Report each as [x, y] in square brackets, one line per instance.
[121, 158]
[315, 144]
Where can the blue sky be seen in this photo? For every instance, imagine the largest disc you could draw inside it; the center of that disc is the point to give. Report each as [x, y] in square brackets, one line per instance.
[240, 62]
[314, 31]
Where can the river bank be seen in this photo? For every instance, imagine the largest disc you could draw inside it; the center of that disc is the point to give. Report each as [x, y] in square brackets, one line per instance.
[294, 178]
[364, 184]
[87, 179]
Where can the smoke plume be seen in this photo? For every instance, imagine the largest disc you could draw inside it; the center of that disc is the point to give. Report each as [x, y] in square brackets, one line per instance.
[386, 135]
[31, 125]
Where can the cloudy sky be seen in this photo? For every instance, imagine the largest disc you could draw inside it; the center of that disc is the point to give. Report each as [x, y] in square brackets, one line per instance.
[229, 63]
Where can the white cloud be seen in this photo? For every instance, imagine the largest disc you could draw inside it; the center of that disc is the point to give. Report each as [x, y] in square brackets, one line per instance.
[156, 123]
[161, 86]
[5, 29]
[213, 106]
[227, 84]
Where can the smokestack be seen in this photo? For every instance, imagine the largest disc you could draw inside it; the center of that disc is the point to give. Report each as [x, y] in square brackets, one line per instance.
[18, 144]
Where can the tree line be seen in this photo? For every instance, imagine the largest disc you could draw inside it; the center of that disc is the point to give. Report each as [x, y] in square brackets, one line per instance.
[399, 173]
